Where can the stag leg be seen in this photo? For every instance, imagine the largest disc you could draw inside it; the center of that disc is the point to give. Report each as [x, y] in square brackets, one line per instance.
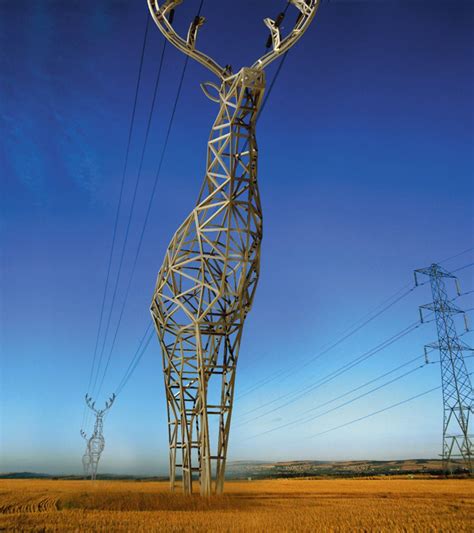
[203, 436]
[229, 365]
[182, 390]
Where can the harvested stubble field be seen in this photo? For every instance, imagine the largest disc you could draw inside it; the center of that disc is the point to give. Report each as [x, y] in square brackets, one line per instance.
[273, 505]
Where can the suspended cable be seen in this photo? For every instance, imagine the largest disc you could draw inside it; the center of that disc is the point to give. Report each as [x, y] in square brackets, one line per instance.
[127, 231]
[457, 255]
[150, 203]
[375, 412]
[465, 293]
[385, 374]
[344, 404]
[114, 233]
[295, 395]
[272, 84]
[343, 338]
[284, 372]
[136, 358]
[148, 211]
[378, 412]
[462, 268]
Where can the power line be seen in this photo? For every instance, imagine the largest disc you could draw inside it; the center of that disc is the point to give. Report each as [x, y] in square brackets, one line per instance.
[272, 84]
[148, 211]
[457, 255]
[462, 268]
[336, 373]
[366, 383]
[114, 234]
[344, 404]
[136, 358]
[375, 412]
[345, 336]
[285, 372]
[137, 182]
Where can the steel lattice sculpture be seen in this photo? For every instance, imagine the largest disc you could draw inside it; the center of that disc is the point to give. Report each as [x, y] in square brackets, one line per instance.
[96, 444]
[207, 282]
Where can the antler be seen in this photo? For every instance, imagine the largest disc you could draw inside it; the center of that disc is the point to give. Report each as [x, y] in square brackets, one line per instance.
[307, 9]
[90, 403]
[163, 17]
[110, 401]
[108, 404]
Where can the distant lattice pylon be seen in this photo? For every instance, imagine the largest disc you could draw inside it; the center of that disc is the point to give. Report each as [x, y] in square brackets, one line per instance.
[96, 443]
[86, 458]
[458, 400]
[207, 281]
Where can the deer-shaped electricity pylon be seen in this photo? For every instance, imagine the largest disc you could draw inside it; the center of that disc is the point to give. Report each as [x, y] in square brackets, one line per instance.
[208, 278]
[86, 458]
[96, 443]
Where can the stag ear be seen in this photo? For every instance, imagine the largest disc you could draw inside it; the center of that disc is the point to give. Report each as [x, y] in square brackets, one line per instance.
[206, 86]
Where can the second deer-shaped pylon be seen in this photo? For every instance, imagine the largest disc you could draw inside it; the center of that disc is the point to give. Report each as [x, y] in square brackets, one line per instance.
[96, 443]
[207, 282]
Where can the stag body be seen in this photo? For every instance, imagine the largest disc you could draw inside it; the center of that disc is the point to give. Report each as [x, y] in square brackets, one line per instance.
[206, 285]
[208, 278]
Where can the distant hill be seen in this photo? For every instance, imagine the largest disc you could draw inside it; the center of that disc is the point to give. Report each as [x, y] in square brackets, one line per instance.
[261, 470]
[35, 475]
[284, 469]
[23, 475]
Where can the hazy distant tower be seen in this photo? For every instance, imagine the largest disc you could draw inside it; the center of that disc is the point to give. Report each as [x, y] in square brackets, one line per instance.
[96, 443]
[86, 458]
[207, 282]
[456, 384]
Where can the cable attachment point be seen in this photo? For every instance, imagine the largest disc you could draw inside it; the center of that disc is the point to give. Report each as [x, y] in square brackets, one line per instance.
[193, 29]
[275, 33]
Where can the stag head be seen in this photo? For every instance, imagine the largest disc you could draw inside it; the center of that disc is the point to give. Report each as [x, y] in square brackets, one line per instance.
[108, 404]
[163, 12]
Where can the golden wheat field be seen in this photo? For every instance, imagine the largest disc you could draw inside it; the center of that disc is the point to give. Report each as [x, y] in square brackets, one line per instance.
[273, 505]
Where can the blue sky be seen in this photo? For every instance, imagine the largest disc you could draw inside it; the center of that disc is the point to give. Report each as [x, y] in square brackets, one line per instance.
[365, 172]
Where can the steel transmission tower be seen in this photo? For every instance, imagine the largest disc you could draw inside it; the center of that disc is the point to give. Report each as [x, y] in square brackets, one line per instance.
[86, 458]
[456, 384]
[96, 443]
[207, 282]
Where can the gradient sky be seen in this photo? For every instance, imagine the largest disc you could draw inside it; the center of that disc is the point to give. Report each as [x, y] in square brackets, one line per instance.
[365, 173]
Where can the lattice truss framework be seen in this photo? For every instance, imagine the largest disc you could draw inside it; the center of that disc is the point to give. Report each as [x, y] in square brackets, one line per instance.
[458, 398]
[207, 281]
[96, 443]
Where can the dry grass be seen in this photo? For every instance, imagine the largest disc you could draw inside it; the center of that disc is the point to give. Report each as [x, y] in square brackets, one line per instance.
[276, 505]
